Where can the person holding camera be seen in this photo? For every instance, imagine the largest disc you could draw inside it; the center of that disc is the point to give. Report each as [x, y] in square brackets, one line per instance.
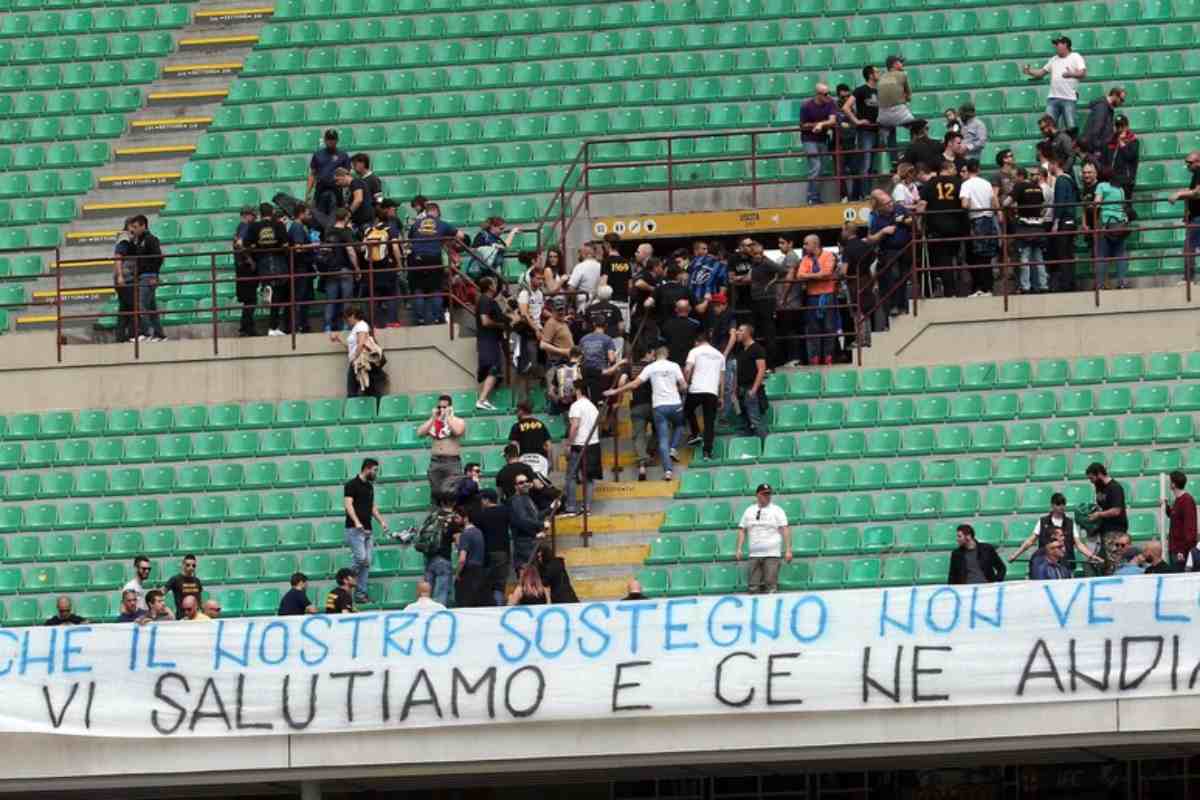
[446, 431]
[491, 323]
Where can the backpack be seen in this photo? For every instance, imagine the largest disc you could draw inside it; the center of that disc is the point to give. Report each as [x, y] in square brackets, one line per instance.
[428, 538]
[374, 240]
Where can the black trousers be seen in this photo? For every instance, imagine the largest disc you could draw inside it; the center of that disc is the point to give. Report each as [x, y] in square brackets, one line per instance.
[708, 404]
[125, 326]
[302, 290]
[472, 589]
[764, 328]
[1060, 249]
[944, 257]
[281, 295]
[981, 272]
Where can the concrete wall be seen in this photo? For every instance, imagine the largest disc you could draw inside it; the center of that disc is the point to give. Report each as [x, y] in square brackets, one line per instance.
[43, 762]
[187, 371]
[1040, 326]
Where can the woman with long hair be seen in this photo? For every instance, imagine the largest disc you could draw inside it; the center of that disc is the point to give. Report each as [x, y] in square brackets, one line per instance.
[553, 571]
[530, 591]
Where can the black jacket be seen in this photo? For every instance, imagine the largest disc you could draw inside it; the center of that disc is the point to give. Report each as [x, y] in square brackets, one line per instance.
[990, 562]
[1099, 128]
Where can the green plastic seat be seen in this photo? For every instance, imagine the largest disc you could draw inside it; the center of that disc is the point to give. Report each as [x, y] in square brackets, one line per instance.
[1088, 370]
[962, 502]
[665, 550]
[1137, 430]
[1175, 428]
[1126, 368]
[715, 516]
[1163, 367]
[1126, 464]
[999, 500]
[878, 443]
[654, 581]
[875, 382]
[966, 408]
[1150, 399]
[863, 572]
[778, 448]
[1038, 404]
[1003, 405]
[1014, 375]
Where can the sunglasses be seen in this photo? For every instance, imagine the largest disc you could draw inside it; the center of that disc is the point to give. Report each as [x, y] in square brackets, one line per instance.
[520, 483]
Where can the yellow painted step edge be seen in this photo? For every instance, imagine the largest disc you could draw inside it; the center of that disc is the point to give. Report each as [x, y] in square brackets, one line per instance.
[611, 523]
[203, 41]
[92, 234]
[163, 149]
[164, 122]
[34, 319]
[124, 205]
[219, 66]
[631, 555]
[84, 263]
[250, 11]
[48, 294]
[144, 176]
[196, 94]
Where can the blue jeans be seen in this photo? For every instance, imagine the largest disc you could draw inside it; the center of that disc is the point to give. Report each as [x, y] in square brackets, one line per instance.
[361, 545]
[752, 414]
[729, 413]
[815, 153]
[574, 462]
[1191, 246]
[1063, 112]
[337, 289]
[669, 428]
[1032, 260]
[864, 163]
[427, 310]
[151, 323]
[439, 575]
[1110, 248]
[821, 321]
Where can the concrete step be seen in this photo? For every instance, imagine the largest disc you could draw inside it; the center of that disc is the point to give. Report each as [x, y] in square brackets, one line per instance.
[630, 555]
[599, 588]
[610, 523]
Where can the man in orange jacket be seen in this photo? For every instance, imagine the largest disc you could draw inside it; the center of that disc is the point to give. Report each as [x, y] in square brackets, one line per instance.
[816, 270]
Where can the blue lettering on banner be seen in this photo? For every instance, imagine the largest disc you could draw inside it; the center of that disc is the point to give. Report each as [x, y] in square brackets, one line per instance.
[451, 635]
[909, 625]
[48, 659]
[284, 643]
[313, 661]
[585, 621]
[822, 618]
[931, 620]
[756, 629]
[1062, 614]
[504, 652]
[976, 615]
[1158, 615]
[635, 611]
[674, 627]
[540, 632]
[356, 620]
[8, 665]
[390, 630]
[220, 653]
[727, 627]
[1094, 599]
[152, 661]
[135, 633]
[69, 651]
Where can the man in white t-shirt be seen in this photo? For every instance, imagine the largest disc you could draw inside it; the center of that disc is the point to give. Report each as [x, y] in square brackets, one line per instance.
[704, 371]
[982, 204]
[766, 526]
[583, 439]
[666, 383]
[1066, 69]
[137, 584]
[585, 277]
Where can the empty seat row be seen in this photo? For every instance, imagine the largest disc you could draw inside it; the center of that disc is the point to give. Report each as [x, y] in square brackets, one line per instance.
[32, 212]
[870, 412]
[65, 155]
[100, 482]
[951, 439]
[182, 510]
[77, 75]
[985, 375]
[796, 576]
[235, 416]
[202, 542]
[629, 15]
[895, 505]
[109, 20]
[92, 48]
[71, 103]
[912, 473]
[125, 545]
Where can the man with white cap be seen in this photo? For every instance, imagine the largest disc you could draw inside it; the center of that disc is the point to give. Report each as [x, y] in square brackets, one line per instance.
[766, 526]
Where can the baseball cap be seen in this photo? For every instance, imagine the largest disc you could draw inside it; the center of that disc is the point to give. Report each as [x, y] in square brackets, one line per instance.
[892, 59]
[720, 297]
[1061, 39]
[331, 134]
[763, 487]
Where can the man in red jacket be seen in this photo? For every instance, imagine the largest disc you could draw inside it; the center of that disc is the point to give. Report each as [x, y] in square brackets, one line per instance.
[1182, 513]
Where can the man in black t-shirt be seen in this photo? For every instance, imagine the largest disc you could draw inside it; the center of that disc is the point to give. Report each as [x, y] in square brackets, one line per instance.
[361, 164]
[506, 479]
[944, 219]
[739, 267]
[1112, 517]
[1191, 213]
[185, 584]
[65, 615]
[647, 274]
[294, 602]
[923, 152]
[351, 194]
[359, 503]
[616, 271]
[531, 436]
[608, 313]
[490, 325]
[862, 110]
[341, 599]
[266, 241]
[669, 292]
[679, 333]
[339, 268]
[751, 373]
[1029, 202]
[492, 521]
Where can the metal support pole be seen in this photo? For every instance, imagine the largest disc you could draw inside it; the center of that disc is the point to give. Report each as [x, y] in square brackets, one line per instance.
[58, 338]
[212, 266]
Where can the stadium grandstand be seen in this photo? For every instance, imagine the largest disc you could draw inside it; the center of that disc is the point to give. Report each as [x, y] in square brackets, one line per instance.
[685, 398]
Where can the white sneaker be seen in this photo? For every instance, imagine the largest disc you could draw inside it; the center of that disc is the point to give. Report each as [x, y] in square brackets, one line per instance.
[266, 294]
[275, 332]
[143, 338]
[484, 405]
[158, 338]
[674, 453]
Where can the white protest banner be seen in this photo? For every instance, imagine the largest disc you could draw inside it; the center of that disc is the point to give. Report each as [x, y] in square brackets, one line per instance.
[850, 650]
